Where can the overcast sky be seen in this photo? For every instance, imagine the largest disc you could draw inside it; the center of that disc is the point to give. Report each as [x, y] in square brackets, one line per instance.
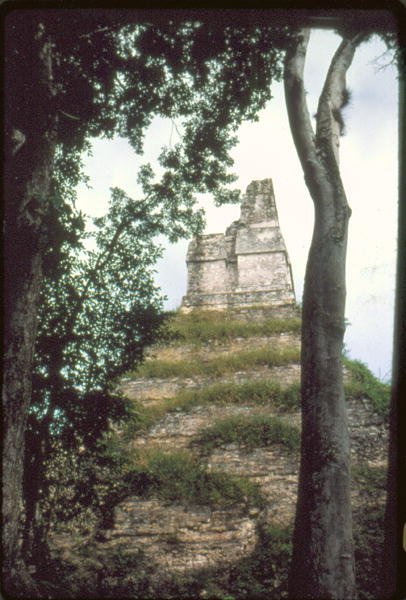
[368, 161]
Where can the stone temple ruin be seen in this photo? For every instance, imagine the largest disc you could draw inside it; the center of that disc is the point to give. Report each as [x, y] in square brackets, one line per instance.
[246, 266]
[193, 542]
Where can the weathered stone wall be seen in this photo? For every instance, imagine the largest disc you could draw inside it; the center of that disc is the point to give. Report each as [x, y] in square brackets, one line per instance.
[178, 537]
[150, 390]
[247, 265]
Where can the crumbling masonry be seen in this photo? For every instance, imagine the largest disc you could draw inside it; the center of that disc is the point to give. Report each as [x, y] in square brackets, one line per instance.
[246, 266]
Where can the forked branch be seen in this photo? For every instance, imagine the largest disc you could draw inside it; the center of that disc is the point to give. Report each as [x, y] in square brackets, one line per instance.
[298, 113]
[334, 97]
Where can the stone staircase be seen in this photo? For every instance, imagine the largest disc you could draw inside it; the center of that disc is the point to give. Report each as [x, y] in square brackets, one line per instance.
[154, 389]
[179, 537]
[209, 536]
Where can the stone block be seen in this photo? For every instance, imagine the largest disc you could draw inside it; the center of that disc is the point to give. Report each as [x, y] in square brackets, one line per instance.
[268, 271]
[255, 240]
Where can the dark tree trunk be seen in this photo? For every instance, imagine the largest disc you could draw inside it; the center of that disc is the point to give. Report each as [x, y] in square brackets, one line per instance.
[30, 138]
[394, 559]
[34, 489]
[323, 558]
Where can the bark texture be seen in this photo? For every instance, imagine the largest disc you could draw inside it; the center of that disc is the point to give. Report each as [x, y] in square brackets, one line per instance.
[323, 557]
[30, 139]
[394, 559]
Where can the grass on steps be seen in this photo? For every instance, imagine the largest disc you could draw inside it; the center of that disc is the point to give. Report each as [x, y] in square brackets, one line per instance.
[254, 392]
[204, 326]
[249, 431]
[221, 365]
[363, 383]
[181, 476]
[261, 392]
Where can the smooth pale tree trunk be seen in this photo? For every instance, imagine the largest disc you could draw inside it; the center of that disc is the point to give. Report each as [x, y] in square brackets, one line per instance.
[30, 139]
[323, 558]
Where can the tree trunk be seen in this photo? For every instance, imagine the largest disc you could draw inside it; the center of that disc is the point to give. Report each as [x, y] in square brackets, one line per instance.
[323, 558]
[322, 565]
[394, 559]
[30, 129]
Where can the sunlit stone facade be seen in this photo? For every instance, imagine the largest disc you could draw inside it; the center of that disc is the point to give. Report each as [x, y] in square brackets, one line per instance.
[246, 266]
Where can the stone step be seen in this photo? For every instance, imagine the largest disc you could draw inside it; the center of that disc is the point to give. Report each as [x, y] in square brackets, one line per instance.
[178, 429]
[175, 536]
[217, 348]
[151, 390]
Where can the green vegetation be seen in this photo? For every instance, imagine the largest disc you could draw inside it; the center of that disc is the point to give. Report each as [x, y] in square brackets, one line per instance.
[264, 574]
[220, 365]
[250, 431]
[118, 574]
[364, 384]
[122, 575]
[203, 326]
[261, 392]
[98, 310]
[112, 574]
[144, 417]
[181, 477]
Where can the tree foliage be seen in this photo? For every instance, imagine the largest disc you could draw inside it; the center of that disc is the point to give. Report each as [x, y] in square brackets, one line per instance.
[99, 308]
[111, 74]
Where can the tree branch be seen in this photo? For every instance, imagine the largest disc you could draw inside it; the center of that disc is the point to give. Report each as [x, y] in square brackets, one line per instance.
[332, 99]
[298, 114]
[100, 263]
